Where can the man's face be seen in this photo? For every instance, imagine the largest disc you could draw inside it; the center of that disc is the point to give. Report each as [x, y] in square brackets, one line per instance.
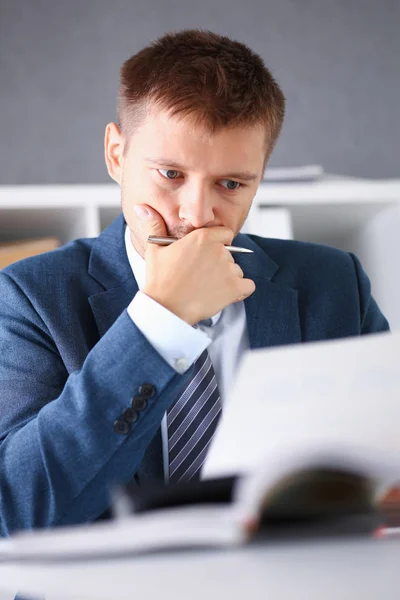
[192, 179]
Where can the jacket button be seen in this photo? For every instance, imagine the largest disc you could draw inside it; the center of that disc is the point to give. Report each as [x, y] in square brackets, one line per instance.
[139, 403]
[129, 415]
[121, 427]
[147, 390]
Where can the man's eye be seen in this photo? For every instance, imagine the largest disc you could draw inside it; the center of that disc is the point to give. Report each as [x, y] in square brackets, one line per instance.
[231, 185]
[170, 173]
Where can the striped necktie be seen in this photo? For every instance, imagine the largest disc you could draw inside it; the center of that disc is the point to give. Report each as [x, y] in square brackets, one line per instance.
[192, 421]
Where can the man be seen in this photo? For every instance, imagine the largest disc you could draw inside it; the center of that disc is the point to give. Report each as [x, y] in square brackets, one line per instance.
[101, 383]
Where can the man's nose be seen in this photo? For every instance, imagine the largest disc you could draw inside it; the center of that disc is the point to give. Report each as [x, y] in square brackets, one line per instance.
[196, 207]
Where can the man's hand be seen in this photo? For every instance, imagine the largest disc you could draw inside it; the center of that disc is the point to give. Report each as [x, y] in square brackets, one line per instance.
[196, 276]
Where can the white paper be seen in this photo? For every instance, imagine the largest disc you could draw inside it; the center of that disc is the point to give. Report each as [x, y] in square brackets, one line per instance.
[303, 173]
[191, 526]
[339, 396]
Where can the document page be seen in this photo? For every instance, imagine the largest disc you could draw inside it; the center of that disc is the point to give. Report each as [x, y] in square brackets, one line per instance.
[339, 398]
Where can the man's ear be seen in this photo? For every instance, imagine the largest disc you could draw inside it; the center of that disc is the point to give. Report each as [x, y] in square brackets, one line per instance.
[113, 151]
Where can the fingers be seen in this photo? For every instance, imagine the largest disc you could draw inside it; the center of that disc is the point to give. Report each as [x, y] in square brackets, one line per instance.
[151, 222]
[236, 270]
[246, 288]
[220, 234]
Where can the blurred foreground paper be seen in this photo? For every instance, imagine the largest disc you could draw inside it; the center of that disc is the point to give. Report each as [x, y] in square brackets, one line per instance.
[338, 397]
[310, 436]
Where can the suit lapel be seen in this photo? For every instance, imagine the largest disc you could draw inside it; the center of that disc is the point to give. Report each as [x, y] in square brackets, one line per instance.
[108, 305]
[272, 313]
[109, 265]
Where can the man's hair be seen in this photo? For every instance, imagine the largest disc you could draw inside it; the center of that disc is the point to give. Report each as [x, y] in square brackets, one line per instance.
[216, 81]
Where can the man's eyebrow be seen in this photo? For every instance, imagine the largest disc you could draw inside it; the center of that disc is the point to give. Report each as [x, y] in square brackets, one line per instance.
[164, 162]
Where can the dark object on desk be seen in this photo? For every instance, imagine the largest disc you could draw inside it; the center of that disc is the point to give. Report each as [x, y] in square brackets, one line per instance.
[317, 501]
[158, 496]
[216, 513]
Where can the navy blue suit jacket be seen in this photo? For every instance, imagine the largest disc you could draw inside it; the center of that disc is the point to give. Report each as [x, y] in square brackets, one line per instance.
[71, 360]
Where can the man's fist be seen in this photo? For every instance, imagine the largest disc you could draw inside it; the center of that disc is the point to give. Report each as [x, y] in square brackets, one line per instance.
[196, 276]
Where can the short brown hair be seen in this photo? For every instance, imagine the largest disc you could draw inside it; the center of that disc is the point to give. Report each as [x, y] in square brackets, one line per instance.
[217, 81]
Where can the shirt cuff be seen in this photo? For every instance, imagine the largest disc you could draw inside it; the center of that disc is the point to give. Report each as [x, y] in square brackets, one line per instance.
[176, 341]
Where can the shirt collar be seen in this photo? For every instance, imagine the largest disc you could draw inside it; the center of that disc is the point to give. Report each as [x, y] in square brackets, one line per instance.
[138, 267]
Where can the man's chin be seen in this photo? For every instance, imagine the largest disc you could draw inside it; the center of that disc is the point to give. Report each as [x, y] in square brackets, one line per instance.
[138, 244]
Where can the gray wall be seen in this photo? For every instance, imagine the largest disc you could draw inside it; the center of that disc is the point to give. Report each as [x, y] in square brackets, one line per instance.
[337, 61]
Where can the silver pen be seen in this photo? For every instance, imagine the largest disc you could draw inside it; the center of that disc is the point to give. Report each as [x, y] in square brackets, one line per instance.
[166, 241]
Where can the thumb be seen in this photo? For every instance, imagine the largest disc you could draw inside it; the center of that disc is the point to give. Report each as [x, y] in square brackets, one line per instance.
[151, 221]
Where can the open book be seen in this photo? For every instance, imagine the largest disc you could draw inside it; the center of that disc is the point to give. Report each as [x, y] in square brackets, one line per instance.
[310, 435]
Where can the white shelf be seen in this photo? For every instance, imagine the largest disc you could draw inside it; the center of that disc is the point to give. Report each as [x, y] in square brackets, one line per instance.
[322, 211]
[328, 211]
[58, 195]
[358, 215]
[325, 191]
[21, 222]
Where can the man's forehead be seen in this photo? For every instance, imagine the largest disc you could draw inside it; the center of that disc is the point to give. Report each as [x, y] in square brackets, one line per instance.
[196, 124]
[174, 141]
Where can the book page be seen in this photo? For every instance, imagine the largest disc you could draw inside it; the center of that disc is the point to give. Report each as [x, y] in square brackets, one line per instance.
[334, 398]
[212, 525]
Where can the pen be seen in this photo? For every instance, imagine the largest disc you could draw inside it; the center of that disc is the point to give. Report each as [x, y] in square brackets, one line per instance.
[166, 241]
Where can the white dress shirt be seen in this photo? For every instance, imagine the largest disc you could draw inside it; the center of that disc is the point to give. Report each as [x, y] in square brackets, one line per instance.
[224, 335]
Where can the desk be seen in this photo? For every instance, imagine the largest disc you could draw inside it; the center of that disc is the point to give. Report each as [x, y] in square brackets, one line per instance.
[353, 569]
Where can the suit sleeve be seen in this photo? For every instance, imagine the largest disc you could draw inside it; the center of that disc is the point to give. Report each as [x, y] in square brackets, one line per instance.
[63, 439]
[371, 317]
